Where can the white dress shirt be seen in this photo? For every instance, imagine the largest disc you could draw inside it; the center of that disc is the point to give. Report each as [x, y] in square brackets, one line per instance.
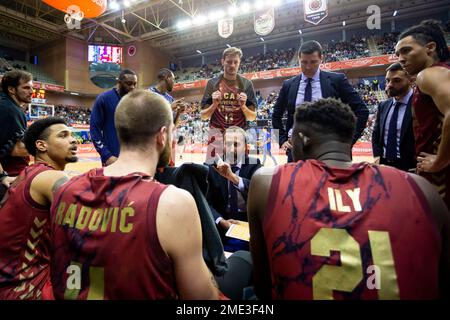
[315, 86]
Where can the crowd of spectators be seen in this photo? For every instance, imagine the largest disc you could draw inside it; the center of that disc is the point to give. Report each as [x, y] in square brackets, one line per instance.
[73, 114]
[270, 61]
[276, 59]
[386, 43]
[345, 50]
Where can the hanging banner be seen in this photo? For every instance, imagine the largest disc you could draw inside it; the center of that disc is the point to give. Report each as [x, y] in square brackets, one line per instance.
[225, 27]
[315, 10]
[264, 21]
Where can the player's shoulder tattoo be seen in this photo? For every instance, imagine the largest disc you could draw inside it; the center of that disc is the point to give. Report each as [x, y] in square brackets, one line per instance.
[58, 183]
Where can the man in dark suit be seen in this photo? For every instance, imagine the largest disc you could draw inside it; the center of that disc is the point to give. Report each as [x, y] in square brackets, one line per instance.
[229, 180]
[393, 136]
[311, 85]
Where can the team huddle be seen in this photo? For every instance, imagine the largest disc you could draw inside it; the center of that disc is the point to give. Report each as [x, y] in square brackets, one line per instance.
[321, 226]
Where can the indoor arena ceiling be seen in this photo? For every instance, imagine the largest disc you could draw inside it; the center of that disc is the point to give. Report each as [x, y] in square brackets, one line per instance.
[28, 23]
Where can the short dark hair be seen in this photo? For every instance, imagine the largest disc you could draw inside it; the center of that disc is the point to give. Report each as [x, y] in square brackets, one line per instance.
[310, 47]
[13, 78]
[124, 72]
[429, 31]
[38, 130]
[139, 115]
[328, 116]
[395, 67]
[164, 73]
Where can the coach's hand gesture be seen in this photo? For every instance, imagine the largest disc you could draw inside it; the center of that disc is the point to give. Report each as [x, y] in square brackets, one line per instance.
[224, 169]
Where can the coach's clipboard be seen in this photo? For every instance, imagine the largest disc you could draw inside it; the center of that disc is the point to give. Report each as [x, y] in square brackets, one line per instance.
[239, 231]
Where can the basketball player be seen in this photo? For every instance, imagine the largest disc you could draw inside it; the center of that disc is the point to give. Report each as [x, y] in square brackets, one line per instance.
[24, 212]
[229, 100]
[118, 233]
[324, 228]
[423, 52]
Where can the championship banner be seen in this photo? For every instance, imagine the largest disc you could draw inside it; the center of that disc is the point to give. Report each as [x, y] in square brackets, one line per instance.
[225, 27]
[264, 21]
[315, 10]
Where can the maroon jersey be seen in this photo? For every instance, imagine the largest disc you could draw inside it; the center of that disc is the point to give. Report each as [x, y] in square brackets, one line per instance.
[24, 240]
[105, 242]
[427, 124]
[13, 165]
[363, 232]
[229, 112]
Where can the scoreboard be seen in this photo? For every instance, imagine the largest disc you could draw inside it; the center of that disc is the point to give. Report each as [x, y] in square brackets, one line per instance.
[100, 54]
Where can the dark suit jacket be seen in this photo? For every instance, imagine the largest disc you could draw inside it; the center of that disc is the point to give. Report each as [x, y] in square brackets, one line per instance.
[217, 195]
[193, 178]
[407, 144]
[333, 85]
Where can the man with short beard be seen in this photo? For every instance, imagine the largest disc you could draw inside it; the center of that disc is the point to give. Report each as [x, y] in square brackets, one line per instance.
[393, 136]
[17, 87]
[103, 132]
[123, 234]
[24, 212]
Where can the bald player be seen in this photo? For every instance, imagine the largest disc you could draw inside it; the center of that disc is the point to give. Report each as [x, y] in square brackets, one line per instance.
[24, 212]
[423, 52]
[324, 228]
[118, 233]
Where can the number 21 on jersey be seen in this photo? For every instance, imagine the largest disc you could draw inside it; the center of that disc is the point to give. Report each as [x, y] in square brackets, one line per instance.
[350, 273]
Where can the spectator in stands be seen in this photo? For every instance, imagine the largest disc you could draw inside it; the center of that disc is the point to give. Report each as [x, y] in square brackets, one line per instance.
[228, 100]
[102, 128]
[17, 88]
[314, 84]
[73, 114]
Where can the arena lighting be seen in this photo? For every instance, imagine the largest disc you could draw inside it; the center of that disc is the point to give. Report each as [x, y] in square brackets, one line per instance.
[232, 11]
[260, 4]
[395, 13]
[198, 51]
[262, 39]
[126, 3]
[215, 15]
[300, 31]
[184, 24]
[245, 7]
[199, 20]
[274, 3]
[343, 23]
[114, 5]
[228, 45]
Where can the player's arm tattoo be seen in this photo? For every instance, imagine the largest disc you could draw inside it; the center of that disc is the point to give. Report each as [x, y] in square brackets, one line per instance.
[58, 183]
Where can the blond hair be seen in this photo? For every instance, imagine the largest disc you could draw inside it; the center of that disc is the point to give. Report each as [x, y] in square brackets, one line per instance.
[232, 51]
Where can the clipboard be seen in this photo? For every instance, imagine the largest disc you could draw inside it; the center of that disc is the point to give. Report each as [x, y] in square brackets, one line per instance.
[239, 231]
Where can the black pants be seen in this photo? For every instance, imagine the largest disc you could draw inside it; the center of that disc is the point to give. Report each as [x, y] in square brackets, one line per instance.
[238, 276]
